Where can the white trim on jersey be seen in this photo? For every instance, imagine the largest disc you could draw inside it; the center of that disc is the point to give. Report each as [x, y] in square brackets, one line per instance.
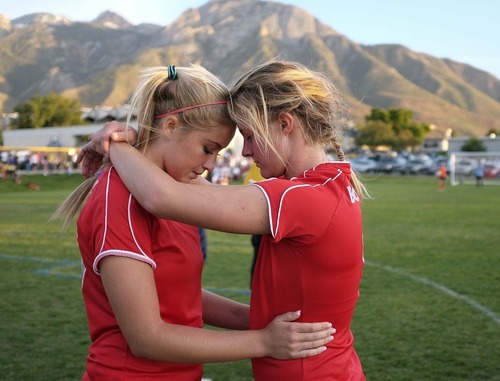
[142, 256]
[122, 253]
[274, 232]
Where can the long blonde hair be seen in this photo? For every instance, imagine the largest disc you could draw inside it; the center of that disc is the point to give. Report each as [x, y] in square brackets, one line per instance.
[274, 87]
[156, 95]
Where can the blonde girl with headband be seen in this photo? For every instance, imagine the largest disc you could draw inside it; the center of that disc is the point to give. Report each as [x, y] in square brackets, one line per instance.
[141, 280]
[308, 210]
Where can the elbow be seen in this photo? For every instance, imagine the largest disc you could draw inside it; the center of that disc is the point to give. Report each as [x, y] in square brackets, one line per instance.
[138, 346]
[139, 351]
[142, 349]
[142, 343]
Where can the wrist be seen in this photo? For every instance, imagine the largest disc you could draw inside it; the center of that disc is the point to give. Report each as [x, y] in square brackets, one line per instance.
[262, 344]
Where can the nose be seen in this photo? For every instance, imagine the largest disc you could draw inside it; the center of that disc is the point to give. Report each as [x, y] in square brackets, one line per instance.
[209, 164]
[246, 151]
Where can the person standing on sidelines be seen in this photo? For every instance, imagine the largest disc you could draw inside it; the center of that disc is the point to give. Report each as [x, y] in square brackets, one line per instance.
[442, 176]
[479, 173]
[142, 274]
[308, 210]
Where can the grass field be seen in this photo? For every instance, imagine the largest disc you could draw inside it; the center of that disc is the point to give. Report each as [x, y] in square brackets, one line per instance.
[430, 297]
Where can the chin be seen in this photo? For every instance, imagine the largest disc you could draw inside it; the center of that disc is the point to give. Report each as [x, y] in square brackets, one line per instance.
[271, 174]
[183, 179]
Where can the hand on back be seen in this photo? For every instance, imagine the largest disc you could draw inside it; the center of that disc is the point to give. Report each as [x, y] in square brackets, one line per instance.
[286, 339]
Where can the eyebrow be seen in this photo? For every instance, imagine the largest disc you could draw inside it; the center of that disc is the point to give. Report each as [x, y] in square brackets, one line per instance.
[215, 143]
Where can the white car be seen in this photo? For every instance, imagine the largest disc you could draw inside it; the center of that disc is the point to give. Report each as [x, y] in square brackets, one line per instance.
[363, 164]
[464, 167]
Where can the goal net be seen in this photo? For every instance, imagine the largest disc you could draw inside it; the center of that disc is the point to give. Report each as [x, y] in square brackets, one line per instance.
[462, 167]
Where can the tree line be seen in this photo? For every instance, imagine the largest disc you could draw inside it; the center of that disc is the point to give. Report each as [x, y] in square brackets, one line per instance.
[393, 127]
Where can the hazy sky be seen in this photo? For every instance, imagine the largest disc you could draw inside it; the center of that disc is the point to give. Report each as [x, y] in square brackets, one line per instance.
[466, 31]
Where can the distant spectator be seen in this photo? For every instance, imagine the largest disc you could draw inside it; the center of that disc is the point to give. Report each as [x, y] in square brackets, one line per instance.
[479, 174]
[442, 175]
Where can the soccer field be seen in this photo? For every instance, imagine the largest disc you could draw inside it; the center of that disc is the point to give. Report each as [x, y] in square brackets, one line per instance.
[429, 306]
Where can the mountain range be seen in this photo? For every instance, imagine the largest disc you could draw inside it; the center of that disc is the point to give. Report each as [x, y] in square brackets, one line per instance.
[98, 61]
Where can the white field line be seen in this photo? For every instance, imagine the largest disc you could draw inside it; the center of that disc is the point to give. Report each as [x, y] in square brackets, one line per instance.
[478, 306]
[492, 315]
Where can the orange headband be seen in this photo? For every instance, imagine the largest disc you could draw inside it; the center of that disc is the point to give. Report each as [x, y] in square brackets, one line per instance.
[189, 108]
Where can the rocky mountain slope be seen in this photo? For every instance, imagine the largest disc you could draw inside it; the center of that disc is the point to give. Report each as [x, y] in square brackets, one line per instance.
[97, 62]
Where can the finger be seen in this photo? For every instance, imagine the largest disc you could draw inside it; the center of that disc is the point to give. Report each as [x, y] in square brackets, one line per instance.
[79, 157]
[81, 154]
[93, 167]
[311, 327]
[91, 164]
[105, 146]
[311, 348]
[309, 352]
[87, 167]
[288, 317]
[304, 341]
[121, 136]
[315, 341]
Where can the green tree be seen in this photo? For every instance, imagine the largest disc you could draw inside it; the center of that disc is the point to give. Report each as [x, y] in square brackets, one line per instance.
[51, 110]
[473, 145]
[393, 127]
[375, 133]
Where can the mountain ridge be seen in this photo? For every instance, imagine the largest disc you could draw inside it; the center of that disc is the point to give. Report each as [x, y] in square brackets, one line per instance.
[98, 61]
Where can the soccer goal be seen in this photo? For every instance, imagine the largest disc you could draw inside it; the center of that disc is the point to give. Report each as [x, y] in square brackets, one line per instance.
[462, 167]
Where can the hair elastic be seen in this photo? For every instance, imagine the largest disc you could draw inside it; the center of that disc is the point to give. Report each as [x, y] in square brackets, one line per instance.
[189, 108]
[172, 73]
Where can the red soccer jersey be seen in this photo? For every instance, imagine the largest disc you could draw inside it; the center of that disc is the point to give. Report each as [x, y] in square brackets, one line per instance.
[113, 223]
[312, 262]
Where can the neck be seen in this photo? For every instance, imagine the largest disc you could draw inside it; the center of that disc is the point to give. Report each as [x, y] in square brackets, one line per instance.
[307, 158]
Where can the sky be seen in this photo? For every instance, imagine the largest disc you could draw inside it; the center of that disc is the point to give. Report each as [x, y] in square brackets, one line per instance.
[466, 31]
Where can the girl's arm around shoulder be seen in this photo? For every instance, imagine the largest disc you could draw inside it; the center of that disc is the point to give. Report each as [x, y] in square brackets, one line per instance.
[234, 209]
[131, 291]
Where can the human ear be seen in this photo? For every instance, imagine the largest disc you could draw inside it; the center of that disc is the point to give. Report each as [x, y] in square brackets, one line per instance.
[286, 123]
[169, 125]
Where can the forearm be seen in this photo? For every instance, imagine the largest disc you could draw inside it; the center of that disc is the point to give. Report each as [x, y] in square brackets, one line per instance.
[176, 343]
[225, 313]
[131, 290]
[134, 169]
[280, 339]
[223, 208]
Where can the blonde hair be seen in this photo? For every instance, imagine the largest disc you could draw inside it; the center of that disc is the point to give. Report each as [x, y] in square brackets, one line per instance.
[274, 87]
[155, 95]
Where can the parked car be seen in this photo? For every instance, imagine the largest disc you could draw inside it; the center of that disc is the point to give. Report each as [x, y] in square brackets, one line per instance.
[465, 167]
[419, 167]
[492, 169]
[388, 164]
[363, 164]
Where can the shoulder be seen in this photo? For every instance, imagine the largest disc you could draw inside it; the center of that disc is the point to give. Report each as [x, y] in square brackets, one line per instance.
[314, 185]
[111, 194]
[110, 183]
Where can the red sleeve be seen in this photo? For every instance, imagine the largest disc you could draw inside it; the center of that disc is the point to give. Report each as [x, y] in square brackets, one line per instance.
[116, 223]
[297, 209]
